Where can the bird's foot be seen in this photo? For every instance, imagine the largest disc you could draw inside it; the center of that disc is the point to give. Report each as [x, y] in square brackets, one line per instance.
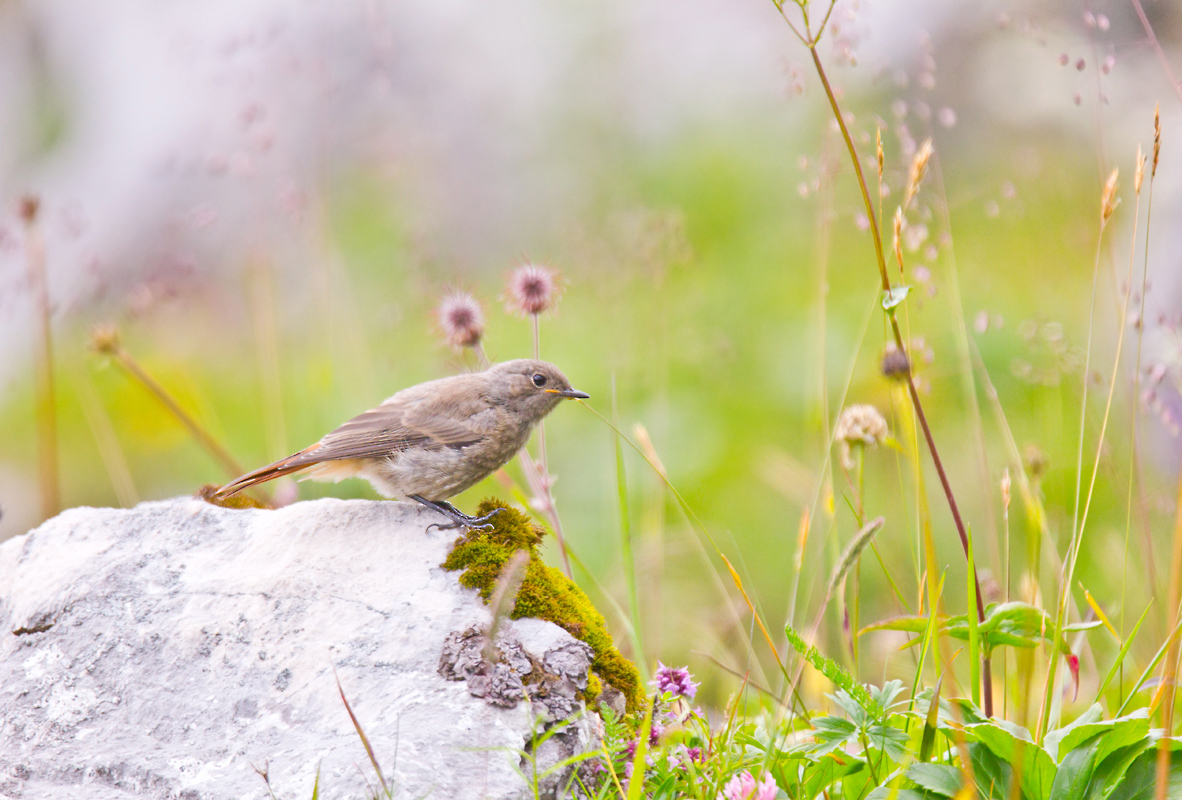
[458, 518]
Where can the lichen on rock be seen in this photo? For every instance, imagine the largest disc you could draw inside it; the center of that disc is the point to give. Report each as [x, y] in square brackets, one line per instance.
[545, 594]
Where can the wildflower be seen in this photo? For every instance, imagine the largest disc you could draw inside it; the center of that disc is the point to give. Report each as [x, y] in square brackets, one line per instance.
[744, 787]
[683, 755]
[461, 319]
[675, 680]
[895, 363]
[532, 289]
[859, 425]
[655, 733]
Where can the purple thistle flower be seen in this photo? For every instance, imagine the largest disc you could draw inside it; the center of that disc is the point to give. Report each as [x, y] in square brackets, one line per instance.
[675, 680]
[461, 319]
[532, 289]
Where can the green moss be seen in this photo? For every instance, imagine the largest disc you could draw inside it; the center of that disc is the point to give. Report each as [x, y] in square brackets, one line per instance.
[545, 593]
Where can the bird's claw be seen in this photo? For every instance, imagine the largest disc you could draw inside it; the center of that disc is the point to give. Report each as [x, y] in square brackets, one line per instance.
[458, 518]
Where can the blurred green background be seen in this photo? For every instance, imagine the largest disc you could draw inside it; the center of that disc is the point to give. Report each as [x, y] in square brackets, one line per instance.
[720, 291]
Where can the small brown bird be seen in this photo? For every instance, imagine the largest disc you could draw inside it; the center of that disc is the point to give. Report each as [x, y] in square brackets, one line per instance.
[432, 441]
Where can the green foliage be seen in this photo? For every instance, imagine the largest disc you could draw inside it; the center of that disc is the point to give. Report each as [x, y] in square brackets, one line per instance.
[1015, 624]
[829, 668]
[545, 593]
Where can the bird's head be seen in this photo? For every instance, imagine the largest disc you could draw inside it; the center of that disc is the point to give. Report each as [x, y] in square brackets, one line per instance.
[530, 387]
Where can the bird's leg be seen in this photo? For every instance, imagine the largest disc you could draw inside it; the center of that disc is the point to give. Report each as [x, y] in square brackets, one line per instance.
[458, 518]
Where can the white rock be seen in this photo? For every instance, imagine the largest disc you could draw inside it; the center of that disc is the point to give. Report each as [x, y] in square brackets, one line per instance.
[166, 650]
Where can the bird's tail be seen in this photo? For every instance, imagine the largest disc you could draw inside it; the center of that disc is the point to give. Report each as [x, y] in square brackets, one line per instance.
[284, 466]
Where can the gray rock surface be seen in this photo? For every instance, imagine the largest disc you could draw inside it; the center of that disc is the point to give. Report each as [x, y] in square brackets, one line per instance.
[167, 650]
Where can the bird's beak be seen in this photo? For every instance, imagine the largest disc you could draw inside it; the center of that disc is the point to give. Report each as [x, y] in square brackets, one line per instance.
[575, 393]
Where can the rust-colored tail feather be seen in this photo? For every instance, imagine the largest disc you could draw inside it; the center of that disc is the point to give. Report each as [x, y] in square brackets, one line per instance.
[284, 466]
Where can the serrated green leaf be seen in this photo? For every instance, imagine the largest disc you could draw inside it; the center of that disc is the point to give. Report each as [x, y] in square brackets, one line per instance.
[942, 779]
[889, 740]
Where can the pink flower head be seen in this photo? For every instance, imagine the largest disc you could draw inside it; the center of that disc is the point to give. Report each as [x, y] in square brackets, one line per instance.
[675, 680]
[744, 787]
[532, 289]
[461, 319]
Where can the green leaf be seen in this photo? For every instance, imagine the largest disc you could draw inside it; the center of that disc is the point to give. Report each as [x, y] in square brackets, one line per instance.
[892, 298]
[885, 697]
[886, 793]
[1085, 725]
[1140, 782]
[1014, 745]
[942, 779]
[928, 741]
[832, 733]
[1075, 627]
[889, 740]
[833, 767]
[1112, 770]
[993, 776]
[1075, 772]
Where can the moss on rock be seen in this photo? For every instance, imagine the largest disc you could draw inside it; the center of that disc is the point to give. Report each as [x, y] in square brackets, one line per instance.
[545, 593]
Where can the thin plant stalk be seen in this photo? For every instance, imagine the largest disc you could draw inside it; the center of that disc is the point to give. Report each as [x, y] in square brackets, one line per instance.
[810, 41]
[1135, 397]
[541, 483]
[1079, 520]
[695, 523]
[626, 548]
[104, 436]
[1170, 669]
[826, 478]
[106, 342]
[48, 477]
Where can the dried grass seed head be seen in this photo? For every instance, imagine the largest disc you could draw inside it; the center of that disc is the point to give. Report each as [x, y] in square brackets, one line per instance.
[859, 425]
[919, 168]
[878, 152]
[1108, 199]
[532, 289]
[461, 319]
[104, 338]
[1139, 173]
[1156, 139]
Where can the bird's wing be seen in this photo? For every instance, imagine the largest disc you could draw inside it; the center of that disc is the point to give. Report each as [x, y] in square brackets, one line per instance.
[450, 414]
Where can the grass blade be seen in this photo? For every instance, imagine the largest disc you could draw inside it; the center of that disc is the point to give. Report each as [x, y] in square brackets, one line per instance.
[1124, 651]
[373, 759]
[974, 632]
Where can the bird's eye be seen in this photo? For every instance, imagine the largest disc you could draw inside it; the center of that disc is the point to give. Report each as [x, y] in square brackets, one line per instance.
[539, 380]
